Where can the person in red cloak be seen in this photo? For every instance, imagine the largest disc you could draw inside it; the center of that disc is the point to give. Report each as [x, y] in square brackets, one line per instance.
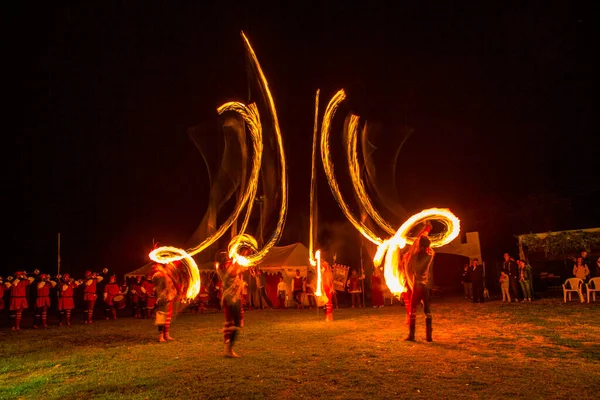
[42, 300]
[18, 297]
[65, 298]
[89, 294]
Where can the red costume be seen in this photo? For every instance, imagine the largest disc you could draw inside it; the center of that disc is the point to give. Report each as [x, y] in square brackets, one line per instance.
[136, 299]
[327, 280]
[42, 301]
[354, 288]
[298, 289]
[18, 298]
[231, 302]
[1, 295]
[111, 289]
[65, 298]
[376, 291]
[89, 294]
[149, 291]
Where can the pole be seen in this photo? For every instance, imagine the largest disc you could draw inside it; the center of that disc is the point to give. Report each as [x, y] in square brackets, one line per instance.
[58, 260]
[362, 272]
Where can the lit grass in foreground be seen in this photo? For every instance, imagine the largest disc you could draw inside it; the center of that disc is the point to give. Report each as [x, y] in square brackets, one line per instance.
[543, 350]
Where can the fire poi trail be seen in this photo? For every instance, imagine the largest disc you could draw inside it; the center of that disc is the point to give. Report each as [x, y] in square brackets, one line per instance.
[167, 255]
[388, 248]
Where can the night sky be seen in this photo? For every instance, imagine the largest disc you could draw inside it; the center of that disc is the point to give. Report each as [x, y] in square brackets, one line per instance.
[499, 97]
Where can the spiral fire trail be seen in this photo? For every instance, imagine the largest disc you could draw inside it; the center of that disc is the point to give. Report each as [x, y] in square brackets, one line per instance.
[166, 255]
[390, 248]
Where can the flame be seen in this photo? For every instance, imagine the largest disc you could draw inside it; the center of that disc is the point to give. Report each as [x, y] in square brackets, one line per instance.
[258, 255]
[329, 168]
[388, 248]
[251, 116]
[166, 255]
[313, 186]
[318, 292]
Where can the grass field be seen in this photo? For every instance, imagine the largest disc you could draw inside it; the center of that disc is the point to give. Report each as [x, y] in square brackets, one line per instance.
[540, 350]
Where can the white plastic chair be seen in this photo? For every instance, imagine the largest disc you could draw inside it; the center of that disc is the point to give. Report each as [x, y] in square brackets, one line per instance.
[590, 291]
[575, 285]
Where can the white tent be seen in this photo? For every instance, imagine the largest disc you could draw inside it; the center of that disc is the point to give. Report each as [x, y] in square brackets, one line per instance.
[284, 261]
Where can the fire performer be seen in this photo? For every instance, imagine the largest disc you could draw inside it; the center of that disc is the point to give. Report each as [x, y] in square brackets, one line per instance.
[89, 294]
[354, 287]
[327, 281]
[231, 300]
[42, 301]
[18, 297]
[65, 298]
[167, 281]
[111, 289]
[418, 262]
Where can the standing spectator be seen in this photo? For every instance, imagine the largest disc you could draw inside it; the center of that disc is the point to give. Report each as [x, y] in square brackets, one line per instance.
[504, 286]
[584, 255]
[281, 292]
[111, 289]
[477, 281]
[354, 289]
[525, 280]
[261, 284]
[466, 281]
[376, 289]
[581, 270]
[136, 297]
[511, 269]
[1, 294]
[148, 291]
[298, 289]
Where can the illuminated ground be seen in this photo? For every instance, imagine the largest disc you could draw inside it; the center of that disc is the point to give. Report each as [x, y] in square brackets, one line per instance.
[546, 349]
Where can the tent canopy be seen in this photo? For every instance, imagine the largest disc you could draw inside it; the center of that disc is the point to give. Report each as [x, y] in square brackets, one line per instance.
[291, 256]
[142, 271]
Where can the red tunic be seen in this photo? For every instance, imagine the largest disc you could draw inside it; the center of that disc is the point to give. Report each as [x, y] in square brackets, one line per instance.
[65, 299]
[1, 296]
[150, 293]
[298, 283]
[111, 290]
[354, 285]
[18, 295]
[89, 293]
[137, 287]
[43, 295]
[376, 291]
